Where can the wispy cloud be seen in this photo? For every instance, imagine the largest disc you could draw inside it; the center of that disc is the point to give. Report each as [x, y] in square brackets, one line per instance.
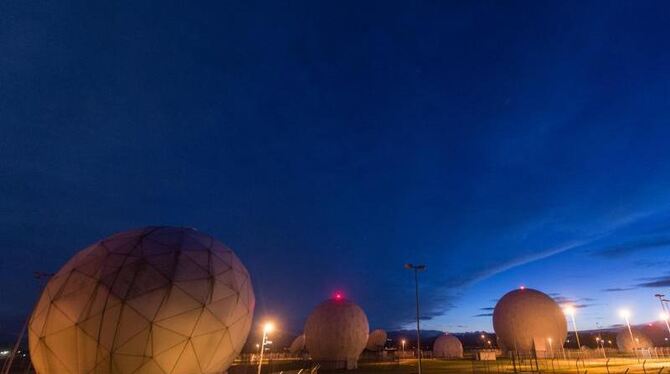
[629, 247]
[577, 303]
[654, 282]
[618, 289]
[483, 315]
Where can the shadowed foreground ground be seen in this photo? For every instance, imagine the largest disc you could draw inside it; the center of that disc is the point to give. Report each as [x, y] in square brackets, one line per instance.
[430, 366]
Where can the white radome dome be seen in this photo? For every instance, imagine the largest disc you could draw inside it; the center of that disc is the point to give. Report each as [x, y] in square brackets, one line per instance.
[527, 318]
[447, 346]
[336, 333]
[376, 340]
[625, 344]
[151, 300]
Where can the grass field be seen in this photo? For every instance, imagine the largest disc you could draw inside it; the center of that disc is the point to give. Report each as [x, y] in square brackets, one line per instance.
[431, 366]
[593, 366]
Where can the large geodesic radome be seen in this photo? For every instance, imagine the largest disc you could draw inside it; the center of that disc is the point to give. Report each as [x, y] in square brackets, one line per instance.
[447, 346]
[525, 319]
[336, 333]
[152, 300]
[376, 340]
[298, 345]
[625, 344]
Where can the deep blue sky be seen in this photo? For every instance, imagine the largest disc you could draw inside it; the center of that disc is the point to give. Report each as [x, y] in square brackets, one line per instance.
[500, 143]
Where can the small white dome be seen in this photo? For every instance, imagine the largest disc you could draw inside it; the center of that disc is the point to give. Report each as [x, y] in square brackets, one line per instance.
[525, 318]
[336, 333]
[625, 344]
[298, 345]
[376, 340]
[447, 346]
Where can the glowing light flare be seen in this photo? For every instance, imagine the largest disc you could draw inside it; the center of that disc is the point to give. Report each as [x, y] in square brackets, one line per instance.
[624, 313]
[338, 296]
[268, 327]
[569, 310]
[663, 316]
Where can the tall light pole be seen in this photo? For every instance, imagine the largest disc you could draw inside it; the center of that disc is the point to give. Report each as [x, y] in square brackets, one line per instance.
[625, 314]
[417, 269]
[570, 310]
[599, 339]
[664, 316]
[664, 312]
[267, 328]
[403, 346]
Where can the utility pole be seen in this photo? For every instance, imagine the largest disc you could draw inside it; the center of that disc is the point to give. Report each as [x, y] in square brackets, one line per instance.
[664, 312]
[417, 269]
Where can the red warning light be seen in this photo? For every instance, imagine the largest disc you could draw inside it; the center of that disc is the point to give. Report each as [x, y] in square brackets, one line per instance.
[522, 287]
[339, 296]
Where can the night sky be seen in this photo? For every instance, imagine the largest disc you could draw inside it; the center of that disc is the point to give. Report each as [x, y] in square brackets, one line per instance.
[500, 143]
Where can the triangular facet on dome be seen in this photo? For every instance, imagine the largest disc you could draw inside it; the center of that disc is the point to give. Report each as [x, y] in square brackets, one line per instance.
[149, 303]
[206, 346]
[127, 364]
[164, 339]
[183, 323]
[191, 244]
[223, 308]
[187, 269]
[56, 321]
[108, 326]
[199, 289]
[222, 291]
[187, 362]
[130, 324]
[207, 323]
[147, 279]
[63, 345]
[221, 262]
[87, 348]
[135, 345]
[168, 359]
[177, 302]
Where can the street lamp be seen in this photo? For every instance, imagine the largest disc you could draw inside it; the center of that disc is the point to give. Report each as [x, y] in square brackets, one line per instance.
[664, 316]
[551, 347]
[403, 346]
[570, 310]
[599, 339]
[601, 343]
[417, 269]
[625, 314]
[267, 328]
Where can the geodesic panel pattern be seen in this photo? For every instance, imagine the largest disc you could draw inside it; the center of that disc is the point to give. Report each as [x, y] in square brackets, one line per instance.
[153, 300]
